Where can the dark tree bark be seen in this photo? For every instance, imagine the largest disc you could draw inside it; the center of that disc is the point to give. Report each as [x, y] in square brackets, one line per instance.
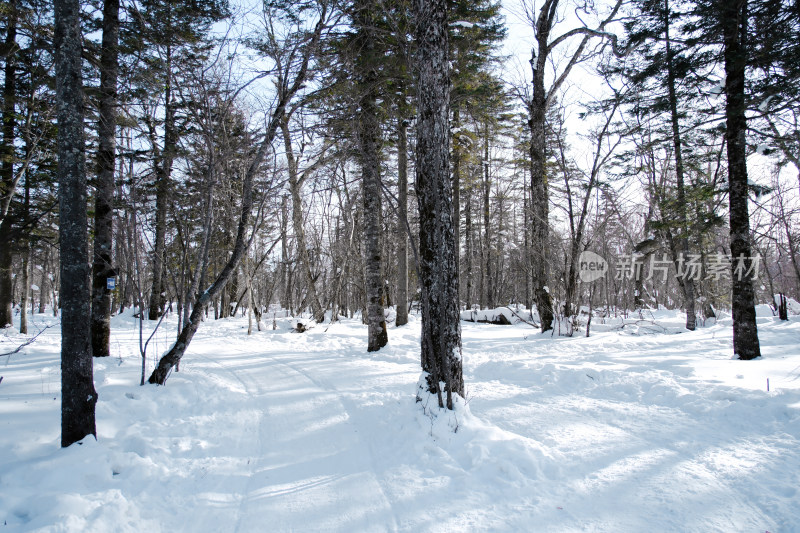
[402, 220]
[369, 138]
[102, 267]
[537, 114]
[540, 199]
[456, 163]
[78, 396]
[733, 20]
[441, 329]
[7, 181]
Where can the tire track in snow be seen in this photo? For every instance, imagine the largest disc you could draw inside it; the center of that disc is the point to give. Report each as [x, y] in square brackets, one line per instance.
[312, 459]
[252, 389]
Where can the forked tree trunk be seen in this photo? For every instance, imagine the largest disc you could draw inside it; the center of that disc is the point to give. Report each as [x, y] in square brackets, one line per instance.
[104, 191]
[441, 329]
[540, 199]
[78, 396]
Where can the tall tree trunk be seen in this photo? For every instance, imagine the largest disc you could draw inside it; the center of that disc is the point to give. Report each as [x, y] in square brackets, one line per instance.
[284, 279]
[104, 190]
[163, 176]
[369, 133]
[526, 250]
[295, 184]
[78, 396]
[456, 163]
[487, 224]
[44, 288]
[402, 219]
[686, 284]
[441, 329]
[469, 244]
[7, 181]
[27, 255]
[540, 200]
[733, 19]
[26, 289]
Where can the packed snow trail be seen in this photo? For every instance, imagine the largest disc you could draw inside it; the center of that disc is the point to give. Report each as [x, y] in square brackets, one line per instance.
[641, 428]
[312, 460]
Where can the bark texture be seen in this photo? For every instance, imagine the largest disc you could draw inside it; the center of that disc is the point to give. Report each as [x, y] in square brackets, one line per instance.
[369, 138]
[540, 199]
[7, 181]
[733, 19]
[441, 329]
[78, 396]
[102, 267]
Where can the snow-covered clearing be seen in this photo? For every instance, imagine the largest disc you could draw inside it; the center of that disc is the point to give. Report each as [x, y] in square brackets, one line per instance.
[638, 429]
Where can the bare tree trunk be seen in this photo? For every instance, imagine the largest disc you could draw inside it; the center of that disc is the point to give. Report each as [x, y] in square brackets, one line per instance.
[687, 283]
[402, 219]
[295, 184]
[540, 199]
[441, 329]
[26, 289]
[537, 110]
[44, 289]
[104, 189]
[78, 396]
[163, 176]
[284, 279]
[733, 19]
[487, 224]
[469, 246]
[201, 265]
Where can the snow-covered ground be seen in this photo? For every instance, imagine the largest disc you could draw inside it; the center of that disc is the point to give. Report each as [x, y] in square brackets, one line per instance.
[645, 427]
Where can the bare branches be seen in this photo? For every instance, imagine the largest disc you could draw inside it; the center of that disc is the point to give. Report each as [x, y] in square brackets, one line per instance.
[24, 344]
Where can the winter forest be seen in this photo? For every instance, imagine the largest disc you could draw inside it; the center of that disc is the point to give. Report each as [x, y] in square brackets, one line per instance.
[453, 265]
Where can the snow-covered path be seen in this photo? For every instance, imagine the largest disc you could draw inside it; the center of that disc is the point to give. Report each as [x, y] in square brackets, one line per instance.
[637, 429]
